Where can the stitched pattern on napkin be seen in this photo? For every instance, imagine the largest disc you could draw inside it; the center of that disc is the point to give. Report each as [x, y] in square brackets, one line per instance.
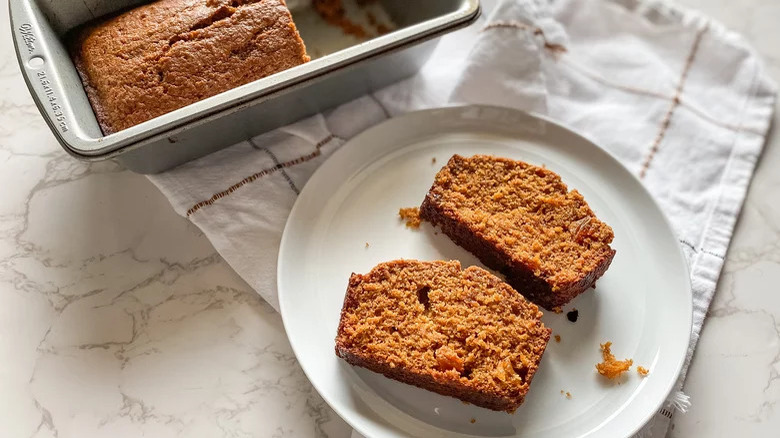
[667, 120]
[255, 176]
[537, 31]
[276, 161]
[682, 102]
[697, 250]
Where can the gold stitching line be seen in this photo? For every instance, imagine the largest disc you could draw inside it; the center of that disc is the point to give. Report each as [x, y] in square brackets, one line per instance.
[600, 79]
[553, 47]
[683, 103]
[709, 118]
[260, 174]
[667, 120]
[604, 81]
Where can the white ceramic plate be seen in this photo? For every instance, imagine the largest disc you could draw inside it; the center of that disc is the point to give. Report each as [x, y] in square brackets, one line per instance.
[642, 304]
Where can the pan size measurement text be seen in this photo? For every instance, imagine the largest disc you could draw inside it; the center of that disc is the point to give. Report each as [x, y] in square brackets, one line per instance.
[59, 117]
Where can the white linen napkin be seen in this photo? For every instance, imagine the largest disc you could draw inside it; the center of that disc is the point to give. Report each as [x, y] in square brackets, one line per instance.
[680, 100]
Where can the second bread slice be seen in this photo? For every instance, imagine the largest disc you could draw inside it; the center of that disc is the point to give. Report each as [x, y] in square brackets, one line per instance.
[458, 332]
[522, 221]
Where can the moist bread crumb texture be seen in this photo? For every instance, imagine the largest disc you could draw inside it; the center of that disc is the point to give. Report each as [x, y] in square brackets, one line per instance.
[459, 332]
[411, 216]
[610, 367]
[160, 57]
[523, 221]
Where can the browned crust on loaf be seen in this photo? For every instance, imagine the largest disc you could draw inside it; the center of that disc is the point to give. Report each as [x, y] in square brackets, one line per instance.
[517, 274]
[445, 386]
[424, 381]
[159, 57]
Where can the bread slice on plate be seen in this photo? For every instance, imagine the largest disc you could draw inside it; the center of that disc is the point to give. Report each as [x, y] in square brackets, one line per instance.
[522, 221]
[458, 332]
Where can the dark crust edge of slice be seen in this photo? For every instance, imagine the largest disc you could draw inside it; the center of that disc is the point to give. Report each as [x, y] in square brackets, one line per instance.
[426, 381]
[518, 276]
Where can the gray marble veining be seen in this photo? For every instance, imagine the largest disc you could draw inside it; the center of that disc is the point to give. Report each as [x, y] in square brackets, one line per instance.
[117, 317]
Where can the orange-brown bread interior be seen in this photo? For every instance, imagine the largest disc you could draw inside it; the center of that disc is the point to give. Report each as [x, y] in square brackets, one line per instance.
[459, 332]
[523, 221]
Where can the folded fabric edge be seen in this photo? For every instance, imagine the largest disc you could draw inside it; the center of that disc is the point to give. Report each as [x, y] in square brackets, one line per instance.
[661, 12]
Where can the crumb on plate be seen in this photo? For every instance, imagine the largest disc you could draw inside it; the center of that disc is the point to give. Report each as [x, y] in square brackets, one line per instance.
[557, 310]
[473, 420]
[612, 368]
[411, 215]
[558, 338]
[573, 315]
[433, 160]
[568, 395]
[642, 371]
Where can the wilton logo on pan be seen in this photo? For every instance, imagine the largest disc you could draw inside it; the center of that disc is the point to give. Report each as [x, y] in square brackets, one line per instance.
[27, 36]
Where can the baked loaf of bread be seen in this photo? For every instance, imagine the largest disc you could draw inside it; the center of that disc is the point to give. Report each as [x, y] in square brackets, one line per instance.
[522, 221]
[458, 332]
[159, 57]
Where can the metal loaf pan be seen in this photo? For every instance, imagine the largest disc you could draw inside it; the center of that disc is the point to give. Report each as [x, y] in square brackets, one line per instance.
[39, 26]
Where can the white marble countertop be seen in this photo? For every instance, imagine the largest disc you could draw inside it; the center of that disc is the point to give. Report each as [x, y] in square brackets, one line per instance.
[118, 318]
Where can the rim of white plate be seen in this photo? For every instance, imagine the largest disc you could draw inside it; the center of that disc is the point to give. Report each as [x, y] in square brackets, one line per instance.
[459, 109]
